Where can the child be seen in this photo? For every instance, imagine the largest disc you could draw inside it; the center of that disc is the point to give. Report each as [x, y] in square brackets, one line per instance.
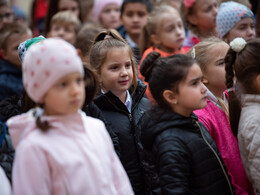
[58, 152]
[210, 56]
[10, 66]
[200, 18]
[133, 17]
[164, 33]
[62, 5]
[235, 20]
[242, 62]
[121, 97]
[107, 13]
[65, 25]
[84, 40]
[6, 14]
[186, 157]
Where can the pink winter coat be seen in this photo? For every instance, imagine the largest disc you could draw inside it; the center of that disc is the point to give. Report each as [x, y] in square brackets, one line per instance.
[216, 122]
[75, 156]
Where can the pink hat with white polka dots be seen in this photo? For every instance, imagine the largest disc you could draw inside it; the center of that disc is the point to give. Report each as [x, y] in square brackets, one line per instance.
[45, 63]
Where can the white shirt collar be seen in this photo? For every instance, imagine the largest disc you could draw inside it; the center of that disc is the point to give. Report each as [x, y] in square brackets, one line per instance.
[128, 101]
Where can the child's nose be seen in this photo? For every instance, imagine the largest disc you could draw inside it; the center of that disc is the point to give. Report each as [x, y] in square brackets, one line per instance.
[75, 88]
[123, 72]
[204, 88]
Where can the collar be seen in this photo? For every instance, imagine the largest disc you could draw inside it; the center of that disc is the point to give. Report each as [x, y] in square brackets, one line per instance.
[128, 102]
[130, 41]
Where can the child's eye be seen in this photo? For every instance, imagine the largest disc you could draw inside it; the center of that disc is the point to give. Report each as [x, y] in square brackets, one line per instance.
[128, 65]
[62, 85]
[141, 14]
[129, 14]
[114, 67]
[242, 27]
[79, 80]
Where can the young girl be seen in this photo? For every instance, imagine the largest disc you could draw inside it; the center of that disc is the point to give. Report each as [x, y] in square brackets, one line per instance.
[121, 100]
[200, 18]
[164, 33]
[57, 151]
[210, 56]
[242, 62]
[107, 13]
[186, 157]
[235, 20]
[133, 17]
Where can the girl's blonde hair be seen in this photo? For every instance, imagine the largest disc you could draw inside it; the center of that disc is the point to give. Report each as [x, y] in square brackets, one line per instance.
[200, 53]
[103, 43]
[153, 24]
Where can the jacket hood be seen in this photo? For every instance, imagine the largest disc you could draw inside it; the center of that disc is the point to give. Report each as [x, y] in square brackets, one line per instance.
[157, 120]
[22, 125]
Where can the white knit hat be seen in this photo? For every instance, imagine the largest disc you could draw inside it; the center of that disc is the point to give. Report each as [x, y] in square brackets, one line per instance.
[229, 14]
[45, 63]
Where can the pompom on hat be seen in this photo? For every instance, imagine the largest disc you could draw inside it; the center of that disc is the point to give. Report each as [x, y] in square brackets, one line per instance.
[229, 14]
[100, 4]
[47, 62]
[24, 46]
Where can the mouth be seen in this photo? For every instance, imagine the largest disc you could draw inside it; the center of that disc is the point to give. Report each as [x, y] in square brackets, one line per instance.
[124, 82]
[76, 102]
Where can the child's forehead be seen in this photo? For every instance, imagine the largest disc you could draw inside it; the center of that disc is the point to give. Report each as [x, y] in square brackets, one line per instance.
[63, 24]
[135, 6]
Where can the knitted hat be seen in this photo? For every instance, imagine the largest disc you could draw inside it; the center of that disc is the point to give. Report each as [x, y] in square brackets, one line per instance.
[229, 14]
[24, 46]
[100, 4]
[47, 62]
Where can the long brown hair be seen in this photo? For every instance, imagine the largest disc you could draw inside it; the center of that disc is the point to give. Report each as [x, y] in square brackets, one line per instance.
[244, 67]
[103, 43]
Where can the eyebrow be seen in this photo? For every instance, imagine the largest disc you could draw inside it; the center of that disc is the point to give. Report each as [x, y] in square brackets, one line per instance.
[196, 79]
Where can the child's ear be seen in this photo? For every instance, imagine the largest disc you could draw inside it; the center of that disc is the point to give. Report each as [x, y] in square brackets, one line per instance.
[170, 97]
[79, 53]
[205, 80]
[155, 40]
[3, 53]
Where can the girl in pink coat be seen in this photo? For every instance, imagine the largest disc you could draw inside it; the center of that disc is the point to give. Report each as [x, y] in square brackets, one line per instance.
[60, 150]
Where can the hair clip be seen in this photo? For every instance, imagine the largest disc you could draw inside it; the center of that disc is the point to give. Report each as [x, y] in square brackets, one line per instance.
[238, 44]
[193, 53]
[189, 3]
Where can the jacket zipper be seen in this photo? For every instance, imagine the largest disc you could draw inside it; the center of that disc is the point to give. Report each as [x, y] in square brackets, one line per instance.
[221, 165]
[127, 113]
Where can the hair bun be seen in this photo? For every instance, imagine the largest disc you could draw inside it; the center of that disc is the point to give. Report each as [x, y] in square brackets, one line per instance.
[148, 64]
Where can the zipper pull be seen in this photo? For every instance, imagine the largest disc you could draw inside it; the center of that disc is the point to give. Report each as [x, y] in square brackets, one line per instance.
[130, 117]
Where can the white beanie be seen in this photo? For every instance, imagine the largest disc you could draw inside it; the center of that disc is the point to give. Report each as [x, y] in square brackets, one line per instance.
[100, 4]
[45, 63]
